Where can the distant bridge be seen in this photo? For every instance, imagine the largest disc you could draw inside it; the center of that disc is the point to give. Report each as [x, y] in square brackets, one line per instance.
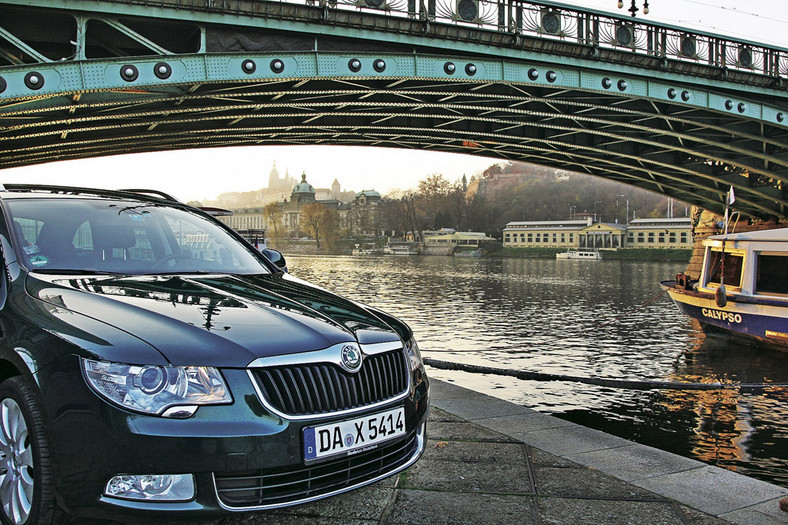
[683, 113]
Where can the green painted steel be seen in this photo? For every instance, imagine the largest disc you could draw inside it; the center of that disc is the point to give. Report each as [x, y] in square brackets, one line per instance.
[153, 75]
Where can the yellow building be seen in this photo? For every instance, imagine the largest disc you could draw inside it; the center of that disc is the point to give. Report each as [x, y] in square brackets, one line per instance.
[583, 233]
[660, 233]
[544, 234]
[602, 235]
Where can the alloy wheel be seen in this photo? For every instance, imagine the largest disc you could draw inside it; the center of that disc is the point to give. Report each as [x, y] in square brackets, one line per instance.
[17, 472]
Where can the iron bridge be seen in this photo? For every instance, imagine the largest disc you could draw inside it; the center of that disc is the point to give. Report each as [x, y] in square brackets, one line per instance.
[684, 113]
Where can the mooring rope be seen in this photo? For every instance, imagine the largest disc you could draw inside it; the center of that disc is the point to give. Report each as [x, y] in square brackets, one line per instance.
[629, 384]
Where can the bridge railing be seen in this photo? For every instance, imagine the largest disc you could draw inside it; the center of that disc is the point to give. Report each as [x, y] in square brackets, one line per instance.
[546, 20]
[596, 29]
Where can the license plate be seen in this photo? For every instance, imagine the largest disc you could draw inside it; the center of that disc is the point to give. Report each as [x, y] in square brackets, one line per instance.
[353, 435]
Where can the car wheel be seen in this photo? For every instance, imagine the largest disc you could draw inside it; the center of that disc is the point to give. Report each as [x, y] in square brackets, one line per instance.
[26, 485]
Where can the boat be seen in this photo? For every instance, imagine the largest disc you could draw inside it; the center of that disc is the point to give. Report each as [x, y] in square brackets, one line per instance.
[401, 248]
[467, 253]
[742, 290]
[366, 249]
[584, 254]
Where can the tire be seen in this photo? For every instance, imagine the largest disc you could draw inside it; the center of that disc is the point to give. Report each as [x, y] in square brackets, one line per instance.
[27, 494]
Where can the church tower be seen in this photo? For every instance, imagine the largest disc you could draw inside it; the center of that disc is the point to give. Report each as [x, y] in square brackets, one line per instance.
[273, 178]
[336, 190]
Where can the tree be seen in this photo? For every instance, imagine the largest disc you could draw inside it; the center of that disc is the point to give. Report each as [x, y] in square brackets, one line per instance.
[273, 216]
[432, 200]
[330, 226]
[313, 214]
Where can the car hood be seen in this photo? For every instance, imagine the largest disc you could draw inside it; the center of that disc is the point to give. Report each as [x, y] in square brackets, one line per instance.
[218, 320]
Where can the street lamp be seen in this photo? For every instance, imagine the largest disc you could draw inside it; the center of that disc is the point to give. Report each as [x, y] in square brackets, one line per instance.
[633, 8]
[626, 220]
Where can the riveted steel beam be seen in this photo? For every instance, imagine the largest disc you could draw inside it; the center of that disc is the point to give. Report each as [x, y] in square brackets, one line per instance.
[157, 81]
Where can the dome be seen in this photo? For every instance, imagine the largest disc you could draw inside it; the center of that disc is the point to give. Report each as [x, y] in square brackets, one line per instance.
[303, 186]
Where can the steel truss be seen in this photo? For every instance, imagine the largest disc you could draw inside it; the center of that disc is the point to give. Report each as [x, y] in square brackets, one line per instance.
[122, 89]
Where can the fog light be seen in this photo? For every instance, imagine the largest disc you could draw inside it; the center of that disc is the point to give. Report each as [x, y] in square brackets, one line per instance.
[152, 487]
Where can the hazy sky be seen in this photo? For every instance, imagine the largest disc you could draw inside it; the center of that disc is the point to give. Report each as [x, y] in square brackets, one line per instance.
[203, 174]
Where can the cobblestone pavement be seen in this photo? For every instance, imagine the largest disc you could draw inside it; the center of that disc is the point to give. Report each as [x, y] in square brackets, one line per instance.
[491, 466]
[470, 474]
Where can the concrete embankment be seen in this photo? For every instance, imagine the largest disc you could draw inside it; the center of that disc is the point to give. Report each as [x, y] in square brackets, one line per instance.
[490, 461]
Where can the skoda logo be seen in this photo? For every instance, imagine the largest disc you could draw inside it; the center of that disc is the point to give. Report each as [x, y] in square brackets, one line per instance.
[351, 358]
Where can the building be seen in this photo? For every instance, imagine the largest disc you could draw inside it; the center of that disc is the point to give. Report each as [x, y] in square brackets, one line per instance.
[602, 235]
[290, 222]
[364, 215]
[576, 233]
[277, 184]
[544, 234]
[660, 233]
[447, 240]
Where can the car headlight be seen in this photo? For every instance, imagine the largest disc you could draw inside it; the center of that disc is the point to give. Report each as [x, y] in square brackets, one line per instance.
[414, 356]
[171, 391]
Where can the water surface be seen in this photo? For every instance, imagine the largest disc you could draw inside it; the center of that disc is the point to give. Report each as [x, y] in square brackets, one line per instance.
[602, 319]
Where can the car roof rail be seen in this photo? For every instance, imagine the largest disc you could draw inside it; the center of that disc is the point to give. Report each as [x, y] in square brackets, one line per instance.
[76, 190]
[150, 193]
[50, 188]
[216, 212]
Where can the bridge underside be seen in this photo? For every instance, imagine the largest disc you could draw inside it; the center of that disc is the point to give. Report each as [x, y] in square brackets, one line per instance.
[676, 139]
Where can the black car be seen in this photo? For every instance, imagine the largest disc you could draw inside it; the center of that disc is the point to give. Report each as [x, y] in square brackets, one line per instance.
[152, 361]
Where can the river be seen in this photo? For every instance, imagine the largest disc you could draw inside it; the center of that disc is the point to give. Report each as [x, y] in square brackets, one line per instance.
[585, 319]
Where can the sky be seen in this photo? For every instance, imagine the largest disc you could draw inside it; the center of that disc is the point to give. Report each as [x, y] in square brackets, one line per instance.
[203, 174]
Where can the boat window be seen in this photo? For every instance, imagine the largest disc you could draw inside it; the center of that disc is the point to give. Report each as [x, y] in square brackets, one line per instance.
[733, 267]
[772, 276]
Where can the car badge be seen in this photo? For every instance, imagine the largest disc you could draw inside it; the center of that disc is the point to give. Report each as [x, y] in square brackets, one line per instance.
[351, 358]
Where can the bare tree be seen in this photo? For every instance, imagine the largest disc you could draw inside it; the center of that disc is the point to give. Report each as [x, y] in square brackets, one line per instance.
[313, 214]
[273, 216]
[330, 226]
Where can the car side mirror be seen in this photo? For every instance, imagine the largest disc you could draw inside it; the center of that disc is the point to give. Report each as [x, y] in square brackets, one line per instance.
[275, 257]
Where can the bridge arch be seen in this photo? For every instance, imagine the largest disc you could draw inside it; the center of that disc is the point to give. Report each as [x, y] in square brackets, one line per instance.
[676, 125]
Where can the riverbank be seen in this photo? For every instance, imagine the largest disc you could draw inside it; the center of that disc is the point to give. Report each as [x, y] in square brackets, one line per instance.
[490, 461]
[625, 254]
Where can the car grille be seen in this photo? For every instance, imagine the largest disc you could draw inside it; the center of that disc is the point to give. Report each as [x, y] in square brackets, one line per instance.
[323, 388]
[283, 486]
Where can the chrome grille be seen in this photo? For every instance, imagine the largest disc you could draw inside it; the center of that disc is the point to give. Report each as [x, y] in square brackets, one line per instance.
[324, 388]
[280, 487]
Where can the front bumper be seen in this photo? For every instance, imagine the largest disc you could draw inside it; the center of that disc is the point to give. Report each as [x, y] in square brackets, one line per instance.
[243, 456]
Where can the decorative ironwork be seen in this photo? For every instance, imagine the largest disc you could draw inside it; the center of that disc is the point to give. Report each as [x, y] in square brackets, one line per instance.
[545, 20]
[675, 133]
[593, 28]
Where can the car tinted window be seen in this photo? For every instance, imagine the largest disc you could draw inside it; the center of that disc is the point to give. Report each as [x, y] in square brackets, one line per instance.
[123, 237]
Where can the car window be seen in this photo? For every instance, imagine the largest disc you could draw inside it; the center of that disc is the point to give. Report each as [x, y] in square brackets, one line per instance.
[124, 237]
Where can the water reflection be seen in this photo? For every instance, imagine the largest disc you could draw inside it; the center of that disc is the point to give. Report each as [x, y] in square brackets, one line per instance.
[585, 319]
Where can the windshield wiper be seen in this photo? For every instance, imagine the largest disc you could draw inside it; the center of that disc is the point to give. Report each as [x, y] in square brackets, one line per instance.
[189, 272]
[75, 271]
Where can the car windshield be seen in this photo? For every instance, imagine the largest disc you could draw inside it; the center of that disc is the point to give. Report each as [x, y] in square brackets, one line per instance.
[123, 237]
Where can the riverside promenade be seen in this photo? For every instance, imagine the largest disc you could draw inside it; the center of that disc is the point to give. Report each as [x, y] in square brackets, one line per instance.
[491, 461]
